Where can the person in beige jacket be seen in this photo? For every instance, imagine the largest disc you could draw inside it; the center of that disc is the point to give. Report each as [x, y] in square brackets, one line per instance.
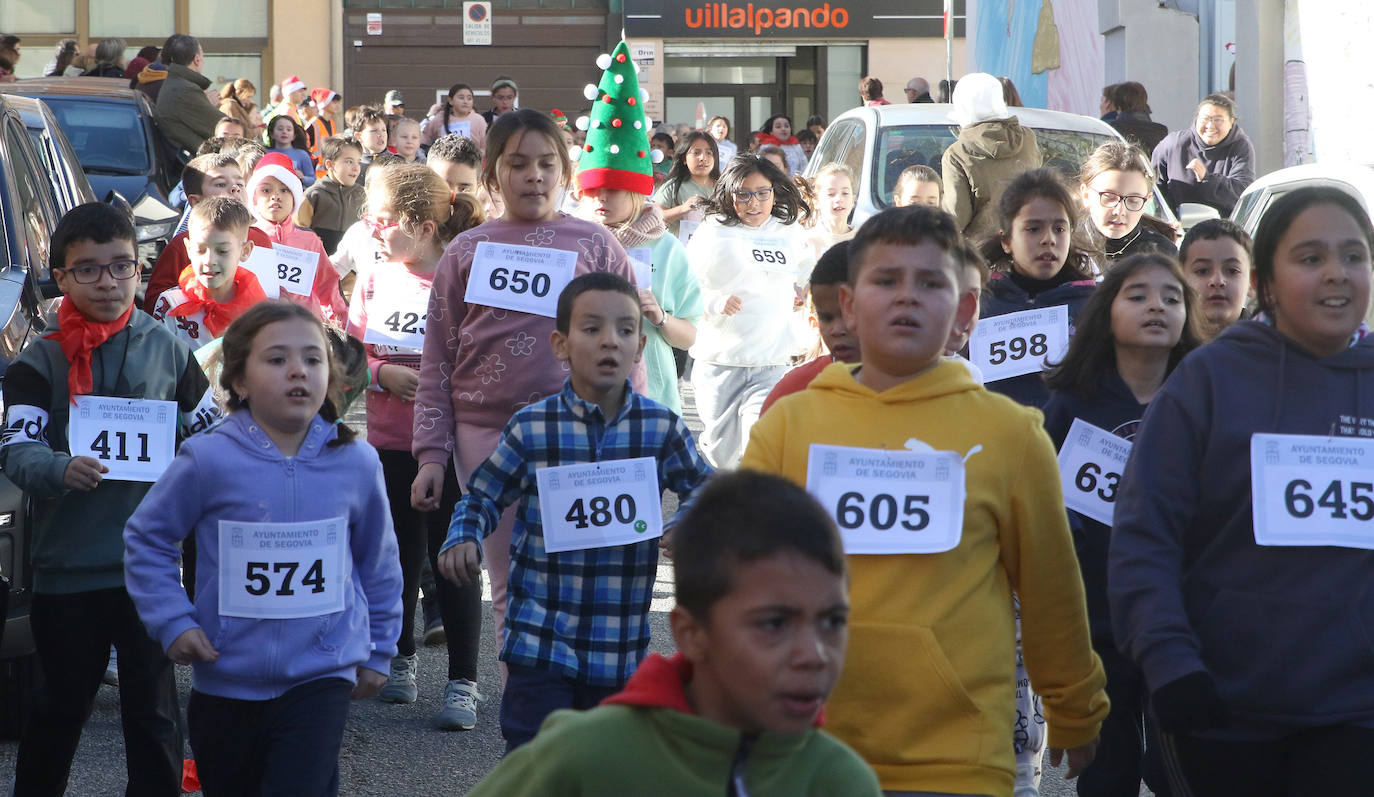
[992, 149]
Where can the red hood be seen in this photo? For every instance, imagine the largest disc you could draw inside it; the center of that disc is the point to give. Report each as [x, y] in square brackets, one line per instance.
[659, 682]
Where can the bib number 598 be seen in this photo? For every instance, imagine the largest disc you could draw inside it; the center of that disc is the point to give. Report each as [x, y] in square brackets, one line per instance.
[520, 281]
[1297, 499]
[881, 511]
[259, 577]
[1017, 348]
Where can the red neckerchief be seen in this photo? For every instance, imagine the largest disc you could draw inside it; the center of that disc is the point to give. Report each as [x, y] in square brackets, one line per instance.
[247, 292]
[769, 138]
[79, 336]
[660, 682]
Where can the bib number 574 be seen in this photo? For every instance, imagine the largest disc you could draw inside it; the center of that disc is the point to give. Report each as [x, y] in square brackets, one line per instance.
[259, 577]
[881, 511]
[1298, 499]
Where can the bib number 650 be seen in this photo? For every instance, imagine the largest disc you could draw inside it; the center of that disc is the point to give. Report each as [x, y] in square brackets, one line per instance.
[881, 511]
[520, 281]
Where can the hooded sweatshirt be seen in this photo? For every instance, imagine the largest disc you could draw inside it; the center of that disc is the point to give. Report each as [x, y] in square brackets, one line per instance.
[929, 685]
[648, 740]
[1284, 631]
[150, 79]
[979, 166]
[237, 473]
[325, 299]
[1230, 168]
[1005, 295]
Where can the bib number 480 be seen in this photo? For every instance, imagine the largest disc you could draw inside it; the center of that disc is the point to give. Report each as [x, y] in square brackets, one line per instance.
[1298, 499]
[881, 512]
[600, 513]
[259, 577]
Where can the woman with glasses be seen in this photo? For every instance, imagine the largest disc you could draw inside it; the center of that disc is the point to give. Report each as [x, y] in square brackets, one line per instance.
[1115, 185]
[753, 260]
[1210, 163]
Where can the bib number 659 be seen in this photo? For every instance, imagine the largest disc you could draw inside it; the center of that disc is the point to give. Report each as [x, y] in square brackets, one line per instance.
[881, 511]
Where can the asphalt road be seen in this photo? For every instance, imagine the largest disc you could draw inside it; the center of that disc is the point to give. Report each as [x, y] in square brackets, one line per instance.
[389, 750]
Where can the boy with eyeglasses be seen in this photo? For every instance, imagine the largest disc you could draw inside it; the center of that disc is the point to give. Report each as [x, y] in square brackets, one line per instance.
[93, 412]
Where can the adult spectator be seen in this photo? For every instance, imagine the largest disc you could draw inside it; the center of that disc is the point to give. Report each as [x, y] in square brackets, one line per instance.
[1133, 117]
[504, 95]
[871, 92]
[1107, 105]
[918, 90]
[109, 59]
[236, 101]
[184, 112]
[149, 80]
[7, 70]
[991, 150]
[63, 55]
[1210, 163]
[946, 90]
[10, 49]
[394, 104]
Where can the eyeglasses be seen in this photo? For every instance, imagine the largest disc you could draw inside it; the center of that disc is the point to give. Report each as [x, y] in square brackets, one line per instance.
[91, 272]
[377, 225]
[1214, 121]
[1109, 199]
[762, 195]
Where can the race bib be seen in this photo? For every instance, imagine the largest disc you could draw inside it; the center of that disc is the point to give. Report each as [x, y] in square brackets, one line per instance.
[396, 315]
[769, 253]
[1010, 345]
[134, 438]
[642, 261]
[686, 229]
[890, 502]
[280, 571]
[295, 269]
[526, 279]
[460, 129]
[263, 263]
[600, 504]
[1090, 467]
[1312, 490]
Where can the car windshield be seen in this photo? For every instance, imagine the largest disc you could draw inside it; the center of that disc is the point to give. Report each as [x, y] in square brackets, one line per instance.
[108, 136]
[913, 145]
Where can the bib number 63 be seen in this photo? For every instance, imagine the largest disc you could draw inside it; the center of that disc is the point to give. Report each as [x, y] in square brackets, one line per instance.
[1086, 480]
[881, 511]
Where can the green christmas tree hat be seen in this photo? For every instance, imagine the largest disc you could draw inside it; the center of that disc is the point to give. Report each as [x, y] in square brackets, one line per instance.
[617, 153]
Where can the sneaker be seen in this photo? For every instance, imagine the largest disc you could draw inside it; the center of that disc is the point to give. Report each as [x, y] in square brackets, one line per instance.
[111, 676]
[400, 684]
[434, 626]
[460, 706]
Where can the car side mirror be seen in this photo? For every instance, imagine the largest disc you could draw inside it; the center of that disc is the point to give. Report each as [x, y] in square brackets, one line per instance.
[1193, 213]
[116, 199]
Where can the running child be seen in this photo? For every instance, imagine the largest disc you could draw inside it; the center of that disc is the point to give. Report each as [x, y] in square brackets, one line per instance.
[831, 271]
[834, 189]
[494, 356]
[1115, 184]
[1132, 333]
[335, 201]
[458, 160]
[1234, 598]
[413, 215]
[285, 135]
[58, 450]
[274, 193]
[1037, 265]
[918, 185]
[1217, 255]
[405, 139]
[370, 131]
[753, 262]
[456, 118]
[931, 628]
[298, 593]
[578, 622]
[760, 622]
[690, 181]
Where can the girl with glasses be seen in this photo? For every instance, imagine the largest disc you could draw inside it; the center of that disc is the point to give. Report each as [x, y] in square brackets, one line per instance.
[753, 260]
[1115, 186]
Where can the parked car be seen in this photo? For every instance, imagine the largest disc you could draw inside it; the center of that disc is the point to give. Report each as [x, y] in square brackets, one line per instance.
[30, 206]
[70, 186]
[112, 130]
[878, 143]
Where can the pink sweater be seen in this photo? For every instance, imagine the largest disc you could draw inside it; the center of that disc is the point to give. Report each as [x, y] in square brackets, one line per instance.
[325, 300]
[389, 417]
[481, 364]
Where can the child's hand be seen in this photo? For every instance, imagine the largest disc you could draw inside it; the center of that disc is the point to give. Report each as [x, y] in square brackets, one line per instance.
[648, 305]
[370, 682]
[427, 487]
[732, 305]
[83, 473]
[665, 544]
[1079, 758]
[192, 646]
[399, 380]
[461, 564]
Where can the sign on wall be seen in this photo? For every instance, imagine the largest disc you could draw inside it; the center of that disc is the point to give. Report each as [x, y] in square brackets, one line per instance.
[374, 24]
[477, 23]
[767, 18]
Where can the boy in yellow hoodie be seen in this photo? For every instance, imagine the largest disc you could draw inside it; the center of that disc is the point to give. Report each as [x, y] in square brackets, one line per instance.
[947, 497]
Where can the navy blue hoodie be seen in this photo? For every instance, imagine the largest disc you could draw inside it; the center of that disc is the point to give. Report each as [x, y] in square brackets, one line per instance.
[1004, 296]
[1286, 632]
[1113, 408]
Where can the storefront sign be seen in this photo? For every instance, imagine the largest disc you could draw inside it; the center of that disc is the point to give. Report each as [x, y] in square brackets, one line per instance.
[734, 19]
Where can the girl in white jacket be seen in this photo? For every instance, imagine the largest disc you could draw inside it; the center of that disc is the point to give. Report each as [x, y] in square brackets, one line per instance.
[753, 261]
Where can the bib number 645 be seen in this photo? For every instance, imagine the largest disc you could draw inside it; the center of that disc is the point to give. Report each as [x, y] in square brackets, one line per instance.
[1298, 499]
[881, 511]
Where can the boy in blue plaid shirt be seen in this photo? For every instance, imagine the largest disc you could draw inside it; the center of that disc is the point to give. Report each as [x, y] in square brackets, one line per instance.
[587, 466]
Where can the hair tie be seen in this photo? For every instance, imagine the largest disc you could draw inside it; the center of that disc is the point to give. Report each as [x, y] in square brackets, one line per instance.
[453, 197]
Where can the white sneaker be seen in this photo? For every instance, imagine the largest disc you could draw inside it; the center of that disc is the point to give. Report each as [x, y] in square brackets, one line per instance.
[400, 683]
[460, 706]
[111, 675]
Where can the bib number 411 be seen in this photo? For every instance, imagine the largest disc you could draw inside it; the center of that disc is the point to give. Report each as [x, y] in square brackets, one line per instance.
[102, 448]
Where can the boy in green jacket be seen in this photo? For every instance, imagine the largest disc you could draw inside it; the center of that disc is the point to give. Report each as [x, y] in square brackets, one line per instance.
[760, 624]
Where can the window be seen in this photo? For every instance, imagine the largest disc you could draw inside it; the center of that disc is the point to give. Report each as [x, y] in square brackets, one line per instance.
[244, 19]
[38, 16]
[222, 69]
[34, 198]
[108, 137]
[132, 18]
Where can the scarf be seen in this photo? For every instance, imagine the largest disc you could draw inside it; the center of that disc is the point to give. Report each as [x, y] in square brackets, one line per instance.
[768, 138]
[647, 228]
[247, 292]
[79, 336]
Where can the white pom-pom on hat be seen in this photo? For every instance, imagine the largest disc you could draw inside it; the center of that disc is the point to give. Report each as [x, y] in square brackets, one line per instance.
[603, 61]
[657, 157]
[583, 122]
[619, 79]
[574, 154]
[643, 95]
[590, 91]
[614, 148]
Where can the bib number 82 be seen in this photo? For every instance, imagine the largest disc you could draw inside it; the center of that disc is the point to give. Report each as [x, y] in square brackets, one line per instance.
[1086, 480]
[882, 511]
[1298, 500]
[259, 577]
[600, 513]
[291, 274]
[520, 281]
[1017, 348]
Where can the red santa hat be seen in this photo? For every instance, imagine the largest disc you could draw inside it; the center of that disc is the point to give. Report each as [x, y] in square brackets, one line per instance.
[275, 164]
[323, 97]
[293, 83]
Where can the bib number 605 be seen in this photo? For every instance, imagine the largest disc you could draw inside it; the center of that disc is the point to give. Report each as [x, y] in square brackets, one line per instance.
[882, 511]
[520, 281]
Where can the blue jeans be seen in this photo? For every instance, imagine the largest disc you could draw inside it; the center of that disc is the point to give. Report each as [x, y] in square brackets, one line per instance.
[532, 695]
[284, 747]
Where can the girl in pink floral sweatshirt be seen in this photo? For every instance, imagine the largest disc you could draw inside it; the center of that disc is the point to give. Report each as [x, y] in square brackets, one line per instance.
[491, 313]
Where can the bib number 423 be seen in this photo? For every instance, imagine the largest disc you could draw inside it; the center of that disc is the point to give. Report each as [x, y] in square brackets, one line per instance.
[1298, 499]
[881, 511]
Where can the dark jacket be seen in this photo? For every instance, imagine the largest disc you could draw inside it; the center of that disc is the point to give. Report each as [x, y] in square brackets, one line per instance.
[1230, 168]
[1138, 129]
[1284, 631]
[335, 207]
[149, 80]
[1004, 296]
[979, 165]
[184, 113]
[1144, 238]
[105, 70]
